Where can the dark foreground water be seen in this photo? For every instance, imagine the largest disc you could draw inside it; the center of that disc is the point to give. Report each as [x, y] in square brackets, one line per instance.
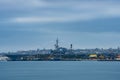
[61, 70]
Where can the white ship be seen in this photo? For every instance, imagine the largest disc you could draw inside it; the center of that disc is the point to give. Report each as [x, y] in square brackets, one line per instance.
[3, 58]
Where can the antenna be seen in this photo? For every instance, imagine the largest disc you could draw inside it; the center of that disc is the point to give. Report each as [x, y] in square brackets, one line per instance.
[71, 46]
[57, 44]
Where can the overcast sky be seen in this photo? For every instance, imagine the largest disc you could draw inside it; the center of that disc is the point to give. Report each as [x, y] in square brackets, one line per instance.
[32, 24]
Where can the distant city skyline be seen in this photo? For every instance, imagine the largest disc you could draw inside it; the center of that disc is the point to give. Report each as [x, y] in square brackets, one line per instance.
[32, 24]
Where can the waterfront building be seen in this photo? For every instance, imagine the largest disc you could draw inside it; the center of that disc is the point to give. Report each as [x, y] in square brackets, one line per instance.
[93, 56]
[118, 57]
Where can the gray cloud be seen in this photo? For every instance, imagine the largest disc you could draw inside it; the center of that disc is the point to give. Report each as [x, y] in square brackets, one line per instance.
[28, 24]
[24, 11]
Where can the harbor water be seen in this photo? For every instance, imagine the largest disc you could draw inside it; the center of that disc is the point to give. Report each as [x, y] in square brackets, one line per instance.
[60, 70]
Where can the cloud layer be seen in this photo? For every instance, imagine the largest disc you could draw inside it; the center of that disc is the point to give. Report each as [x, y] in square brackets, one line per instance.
[58, 11]
[30, 24]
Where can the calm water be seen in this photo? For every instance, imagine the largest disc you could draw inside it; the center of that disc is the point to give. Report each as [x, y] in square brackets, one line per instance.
[61, 70]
